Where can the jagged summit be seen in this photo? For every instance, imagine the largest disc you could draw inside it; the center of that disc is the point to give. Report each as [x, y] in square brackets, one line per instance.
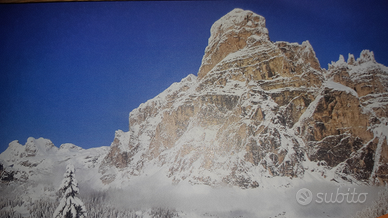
[363, 75]
[231, 33]
[366, 56]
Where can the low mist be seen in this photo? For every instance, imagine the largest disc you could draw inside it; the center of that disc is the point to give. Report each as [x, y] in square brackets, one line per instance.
[203, 200]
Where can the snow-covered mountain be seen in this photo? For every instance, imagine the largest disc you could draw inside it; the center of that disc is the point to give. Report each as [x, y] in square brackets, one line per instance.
[260, 114]
[39, 159]
[257, 110]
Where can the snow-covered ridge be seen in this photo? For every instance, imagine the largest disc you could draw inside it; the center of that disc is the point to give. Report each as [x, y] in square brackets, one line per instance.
[39, 158]
[173, 91]
[337, 86]
[33, 147]
[69, 147]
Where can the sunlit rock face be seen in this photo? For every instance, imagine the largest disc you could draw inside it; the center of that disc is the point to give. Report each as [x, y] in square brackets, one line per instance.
[231, 33]
[354, 119]
[258, 110]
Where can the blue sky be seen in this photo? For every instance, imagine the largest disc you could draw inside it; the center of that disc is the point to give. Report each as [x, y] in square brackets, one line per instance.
[72, 72]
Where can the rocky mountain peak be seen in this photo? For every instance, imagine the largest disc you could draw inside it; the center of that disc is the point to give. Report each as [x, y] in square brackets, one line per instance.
[258, 110]
[366, 56]
[232, 32]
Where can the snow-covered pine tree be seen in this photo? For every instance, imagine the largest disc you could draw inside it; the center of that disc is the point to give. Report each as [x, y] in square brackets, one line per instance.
[70, 205]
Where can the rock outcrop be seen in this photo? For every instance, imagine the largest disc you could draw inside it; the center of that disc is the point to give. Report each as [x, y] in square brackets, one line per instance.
[231, 33]
[260, 109]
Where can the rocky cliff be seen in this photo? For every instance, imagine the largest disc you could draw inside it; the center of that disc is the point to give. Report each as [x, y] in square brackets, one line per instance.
[257, 110]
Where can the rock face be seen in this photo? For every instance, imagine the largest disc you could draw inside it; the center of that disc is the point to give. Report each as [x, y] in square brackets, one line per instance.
[260, 109]
[232, 33]
[359, 115]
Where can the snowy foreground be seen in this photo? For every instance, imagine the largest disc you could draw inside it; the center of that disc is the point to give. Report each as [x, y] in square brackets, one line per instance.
[190, 201]
[155, 196]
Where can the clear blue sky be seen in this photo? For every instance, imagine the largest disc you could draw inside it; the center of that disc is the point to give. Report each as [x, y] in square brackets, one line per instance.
[72, 72]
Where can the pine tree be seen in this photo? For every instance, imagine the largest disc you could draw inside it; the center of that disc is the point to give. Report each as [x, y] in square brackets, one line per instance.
[70, 206]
